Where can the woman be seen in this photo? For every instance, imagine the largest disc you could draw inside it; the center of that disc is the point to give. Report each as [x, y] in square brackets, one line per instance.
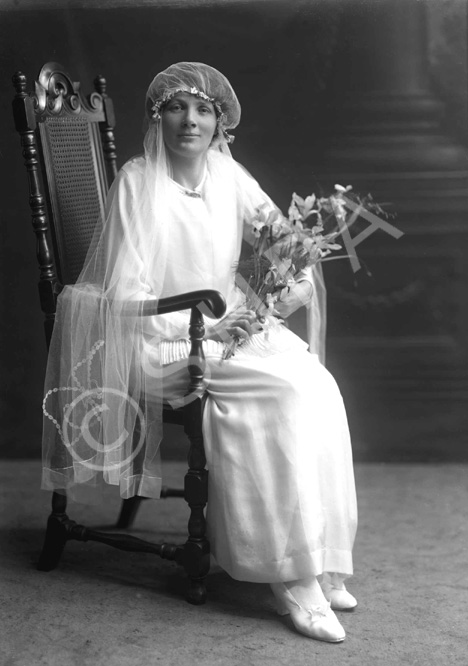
[282, 506]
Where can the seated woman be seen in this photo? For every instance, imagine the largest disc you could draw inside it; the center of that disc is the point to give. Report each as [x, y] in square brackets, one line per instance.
[282, 505]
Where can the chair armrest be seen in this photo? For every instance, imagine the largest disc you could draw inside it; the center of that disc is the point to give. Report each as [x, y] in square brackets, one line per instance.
[215, 304]
[215, 307]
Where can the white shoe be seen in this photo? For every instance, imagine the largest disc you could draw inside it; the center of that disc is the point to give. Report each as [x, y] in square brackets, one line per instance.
[342, 600]
[336, 593]
[318, 622]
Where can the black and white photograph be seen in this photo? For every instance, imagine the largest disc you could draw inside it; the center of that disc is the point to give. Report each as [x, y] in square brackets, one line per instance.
[234, 340]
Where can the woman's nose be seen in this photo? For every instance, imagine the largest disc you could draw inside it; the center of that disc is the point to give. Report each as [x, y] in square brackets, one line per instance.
[189, 119]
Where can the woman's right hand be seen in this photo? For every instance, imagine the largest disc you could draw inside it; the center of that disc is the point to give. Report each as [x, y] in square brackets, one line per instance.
[241, 323]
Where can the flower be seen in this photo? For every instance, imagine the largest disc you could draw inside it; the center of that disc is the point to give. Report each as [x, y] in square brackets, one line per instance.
[284, 247]
[342, 190]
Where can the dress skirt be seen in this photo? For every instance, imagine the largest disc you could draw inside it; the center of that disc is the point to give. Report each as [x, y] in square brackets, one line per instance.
[281, 497]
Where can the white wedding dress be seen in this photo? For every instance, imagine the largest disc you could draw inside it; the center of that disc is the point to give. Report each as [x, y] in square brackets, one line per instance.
[282, 503]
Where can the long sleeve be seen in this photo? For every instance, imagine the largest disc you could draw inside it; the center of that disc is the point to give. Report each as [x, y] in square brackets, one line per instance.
[130, 275]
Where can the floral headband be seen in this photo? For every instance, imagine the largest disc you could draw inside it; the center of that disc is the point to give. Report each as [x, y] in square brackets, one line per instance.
[168, 95]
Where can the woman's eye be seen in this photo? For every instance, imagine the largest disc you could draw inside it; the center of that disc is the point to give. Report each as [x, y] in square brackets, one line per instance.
[204, 109]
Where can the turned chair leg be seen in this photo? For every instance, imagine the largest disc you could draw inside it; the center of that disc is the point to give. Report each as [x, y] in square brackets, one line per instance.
[196, 552]
[56, 534]
[128, 512]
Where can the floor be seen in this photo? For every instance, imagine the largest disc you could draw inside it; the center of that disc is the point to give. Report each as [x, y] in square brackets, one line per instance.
[104, 607]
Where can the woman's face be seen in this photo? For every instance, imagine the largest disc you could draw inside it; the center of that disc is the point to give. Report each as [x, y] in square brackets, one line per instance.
[189, 124]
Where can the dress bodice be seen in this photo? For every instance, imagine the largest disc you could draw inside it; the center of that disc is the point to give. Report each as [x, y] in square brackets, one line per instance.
[202, 249]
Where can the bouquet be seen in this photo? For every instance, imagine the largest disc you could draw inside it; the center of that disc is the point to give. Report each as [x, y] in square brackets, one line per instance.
[284, 247]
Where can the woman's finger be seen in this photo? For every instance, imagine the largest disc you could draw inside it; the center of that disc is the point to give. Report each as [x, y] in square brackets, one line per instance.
[245, 325]
[250, 315]
[247, 328]
[238, 331]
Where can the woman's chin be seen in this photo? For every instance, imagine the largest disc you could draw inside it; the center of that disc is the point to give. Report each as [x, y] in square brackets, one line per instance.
[188, 149]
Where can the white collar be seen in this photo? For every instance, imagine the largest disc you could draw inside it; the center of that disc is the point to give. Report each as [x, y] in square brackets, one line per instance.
[197, 191]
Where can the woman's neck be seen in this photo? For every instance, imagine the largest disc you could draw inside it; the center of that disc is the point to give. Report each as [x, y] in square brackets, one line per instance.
[188, 172]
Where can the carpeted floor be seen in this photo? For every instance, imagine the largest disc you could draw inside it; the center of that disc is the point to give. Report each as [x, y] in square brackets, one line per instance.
[104, 607]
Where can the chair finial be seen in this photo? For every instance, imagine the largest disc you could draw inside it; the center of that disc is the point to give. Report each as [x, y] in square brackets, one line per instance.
[100, 84]
[19, 82]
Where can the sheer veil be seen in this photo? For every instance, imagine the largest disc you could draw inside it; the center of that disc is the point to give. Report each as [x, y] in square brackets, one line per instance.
[102, 423]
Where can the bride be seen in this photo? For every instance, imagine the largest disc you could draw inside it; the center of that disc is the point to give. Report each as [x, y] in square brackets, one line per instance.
[282, 504]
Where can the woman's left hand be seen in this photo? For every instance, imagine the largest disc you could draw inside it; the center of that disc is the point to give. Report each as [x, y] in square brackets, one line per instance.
[292, 298]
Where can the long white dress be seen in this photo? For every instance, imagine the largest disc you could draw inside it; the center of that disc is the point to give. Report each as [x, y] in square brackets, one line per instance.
[282, 503]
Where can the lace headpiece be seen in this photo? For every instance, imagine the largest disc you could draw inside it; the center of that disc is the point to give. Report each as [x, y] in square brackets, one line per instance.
[200, 80]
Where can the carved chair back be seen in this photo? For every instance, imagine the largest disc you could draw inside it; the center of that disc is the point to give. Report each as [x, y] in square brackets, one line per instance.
[69, 154]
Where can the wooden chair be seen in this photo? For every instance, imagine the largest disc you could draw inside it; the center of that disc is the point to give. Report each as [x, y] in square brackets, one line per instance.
[70, 158]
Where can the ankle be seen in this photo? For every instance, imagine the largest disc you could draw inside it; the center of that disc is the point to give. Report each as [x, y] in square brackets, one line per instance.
[305, 593]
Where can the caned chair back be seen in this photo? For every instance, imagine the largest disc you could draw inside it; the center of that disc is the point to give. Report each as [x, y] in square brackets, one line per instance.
[69, 150]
